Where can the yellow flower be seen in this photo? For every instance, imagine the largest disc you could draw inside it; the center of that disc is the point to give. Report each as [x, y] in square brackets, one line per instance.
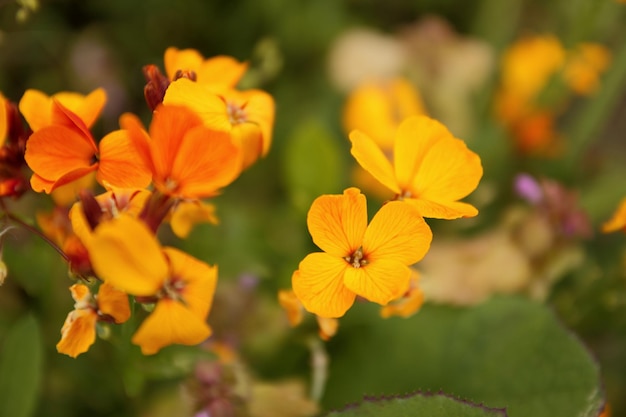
[618, 221]
[187, 213]
[409, 304]
[79, 330]
[369, 261]
[247, 115]
[584, 65]
[431, 170]
[125, 254]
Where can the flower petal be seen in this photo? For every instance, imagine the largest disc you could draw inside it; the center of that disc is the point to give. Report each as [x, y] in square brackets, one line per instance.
[139, 137]
[169, 323]
[113, 302]
[397, 232]
[337, 223]
[202, 100]
[120, 162]
[206, 161]
[442, 210]
[380, 281]
[373, 160]
[199, 278]
[618, 220]
[319, 285]
[126, 254]
[292, 306]
[78, 332]
[186, 214]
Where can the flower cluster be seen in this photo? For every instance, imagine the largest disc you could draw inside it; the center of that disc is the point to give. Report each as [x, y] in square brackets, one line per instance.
[203, 133]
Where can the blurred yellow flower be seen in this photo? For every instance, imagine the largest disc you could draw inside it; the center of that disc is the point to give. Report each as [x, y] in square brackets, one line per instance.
[409, 304]
[584, 66]
[378, 107]
[127, 255]
[369, 261]
[431, 169]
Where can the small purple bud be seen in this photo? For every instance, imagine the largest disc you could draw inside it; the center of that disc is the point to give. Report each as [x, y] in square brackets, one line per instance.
[528, 188]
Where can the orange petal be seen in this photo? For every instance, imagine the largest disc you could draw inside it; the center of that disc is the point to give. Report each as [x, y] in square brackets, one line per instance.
[126, 254]
[201, 100]
[189, 213]
[120, 163]
[327, 327]
[169, 323]
[206, 161]
[198, 278]
[81, 295]
[87, 108]
[373, 160]
[380, 281]
[256, 107]
[113, 302]
[397, 232]
[618, 220]
[442, 210]
[405, 307]
[319, 284]
[139, 138]
[337, 223]
[78, 332]
[60, 155]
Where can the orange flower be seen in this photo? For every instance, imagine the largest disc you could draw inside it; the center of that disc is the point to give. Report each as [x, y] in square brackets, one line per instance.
[79, 330]
[584, 65]
[369, 261]
[65, 151]
[219, 70]
[247, 115]
[618, 221]
[431, 168]
[39, 109]
[126, 255]
[4, 123]
[187, 158]
[409, 304]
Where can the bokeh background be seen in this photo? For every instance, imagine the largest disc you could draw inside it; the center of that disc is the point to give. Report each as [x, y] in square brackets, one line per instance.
[309, 54]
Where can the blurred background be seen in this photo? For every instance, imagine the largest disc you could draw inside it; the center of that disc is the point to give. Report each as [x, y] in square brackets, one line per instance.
[312, 56]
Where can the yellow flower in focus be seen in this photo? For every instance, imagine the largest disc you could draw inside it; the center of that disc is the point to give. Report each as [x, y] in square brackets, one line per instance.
[219, 70]
[369, 261]
[378, 107]
[618, 220]
[584, 66]
[38, 108]
[431, 169]
[79, 330]
[125, 254]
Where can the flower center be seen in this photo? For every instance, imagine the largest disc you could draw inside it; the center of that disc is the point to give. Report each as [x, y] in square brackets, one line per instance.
[236, 114]
[357, 259]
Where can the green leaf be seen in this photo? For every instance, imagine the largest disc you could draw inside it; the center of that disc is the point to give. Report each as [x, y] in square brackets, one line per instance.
[419, 404]
[312, 164]
[21, 363]
[509, 353]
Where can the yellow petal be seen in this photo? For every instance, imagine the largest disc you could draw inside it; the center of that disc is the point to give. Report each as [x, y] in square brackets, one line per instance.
[380, 281]
[4, 126]
[397, 232]
[405, 307]
[202, 100]
[198, 280]
[442, 210]
[373, 160]
[126, 254]
[327, 327]
[113, 302]
[189, 213]
[169, 323]
[319, 285]
[67, 194]
[292, 306]
[337, 223]
[78, 332]
[618, 220]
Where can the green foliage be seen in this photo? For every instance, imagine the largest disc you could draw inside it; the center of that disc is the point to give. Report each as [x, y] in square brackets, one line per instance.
[21, 368]
[508, 353]
[437, 405]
